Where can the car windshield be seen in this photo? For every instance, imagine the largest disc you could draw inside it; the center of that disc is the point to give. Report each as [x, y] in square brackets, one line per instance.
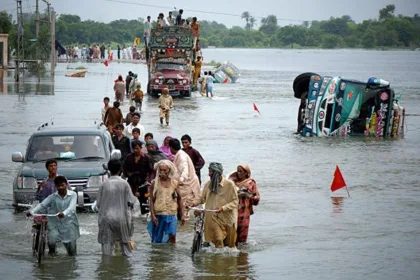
[65, 147]
[170, 66]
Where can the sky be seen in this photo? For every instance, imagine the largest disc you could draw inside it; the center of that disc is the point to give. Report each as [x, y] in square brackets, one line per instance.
[287, 11]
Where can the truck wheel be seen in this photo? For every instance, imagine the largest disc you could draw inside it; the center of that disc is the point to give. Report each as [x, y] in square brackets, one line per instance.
[301, 84]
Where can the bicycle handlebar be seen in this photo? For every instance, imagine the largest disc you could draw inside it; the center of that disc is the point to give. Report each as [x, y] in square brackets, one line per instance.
[22, 205]
[44, 215]
[202, 210]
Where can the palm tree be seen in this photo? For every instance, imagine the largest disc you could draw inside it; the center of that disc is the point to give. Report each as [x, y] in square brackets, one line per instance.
[246, 15]
[252, 22]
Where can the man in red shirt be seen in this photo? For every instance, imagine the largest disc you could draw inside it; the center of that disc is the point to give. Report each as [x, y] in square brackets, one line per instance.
[195, 155]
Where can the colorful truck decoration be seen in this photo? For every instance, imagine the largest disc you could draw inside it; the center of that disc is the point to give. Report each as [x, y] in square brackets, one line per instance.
[333, 106]
[169, 59]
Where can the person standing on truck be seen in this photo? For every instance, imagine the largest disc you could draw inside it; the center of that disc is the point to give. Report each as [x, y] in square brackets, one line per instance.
[170, 20]
[165, 104]
[147, 30]
[161, 22]
[195, 28]
[178, 20]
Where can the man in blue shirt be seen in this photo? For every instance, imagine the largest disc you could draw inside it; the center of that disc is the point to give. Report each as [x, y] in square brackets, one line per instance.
[64, 227]
[47, 187]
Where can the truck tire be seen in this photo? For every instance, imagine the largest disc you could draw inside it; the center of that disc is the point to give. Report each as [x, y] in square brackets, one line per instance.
[301, 84]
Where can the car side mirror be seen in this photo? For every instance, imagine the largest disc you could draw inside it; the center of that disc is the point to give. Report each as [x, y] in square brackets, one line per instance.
[17, 157]
[105, 166]
[116, 154]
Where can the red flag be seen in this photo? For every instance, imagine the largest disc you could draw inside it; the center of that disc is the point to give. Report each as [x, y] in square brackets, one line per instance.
[225, 80]
[256, 108]
[106, 63]
[338, 181]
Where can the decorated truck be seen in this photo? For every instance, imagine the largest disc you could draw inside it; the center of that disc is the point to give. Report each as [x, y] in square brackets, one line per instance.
[334, 106]
[169, 59]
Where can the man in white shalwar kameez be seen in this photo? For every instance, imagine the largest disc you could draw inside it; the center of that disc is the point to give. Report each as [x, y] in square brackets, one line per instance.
[189, 185]
[115, 218]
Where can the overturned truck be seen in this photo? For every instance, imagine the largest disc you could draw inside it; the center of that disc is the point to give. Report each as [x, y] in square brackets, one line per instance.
[333, 106]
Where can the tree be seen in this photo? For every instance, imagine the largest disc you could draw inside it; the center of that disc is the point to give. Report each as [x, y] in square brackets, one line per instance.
[387, 12]
[336, 26]
[330, 41]
[246, 15]
[369, 40]
[347, 18]
[269, 25]
[5, 24]
[290, 35]
[252, 22]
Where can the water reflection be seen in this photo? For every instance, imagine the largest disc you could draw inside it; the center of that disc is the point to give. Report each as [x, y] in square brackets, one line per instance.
[163, 261]
[337, 203]
[225, 265]
[60, 267]
[115, 267]
[3, 85]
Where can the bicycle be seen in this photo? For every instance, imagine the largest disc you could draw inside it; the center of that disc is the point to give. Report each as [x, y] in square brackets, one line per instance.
[39, 238]
[39, 235]
[198, 230]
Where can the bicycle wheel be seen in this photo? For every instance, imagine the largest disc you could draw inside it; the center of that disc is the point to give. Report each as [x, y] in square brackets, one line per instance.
[41, 244]
[196, 246]
[34, 247]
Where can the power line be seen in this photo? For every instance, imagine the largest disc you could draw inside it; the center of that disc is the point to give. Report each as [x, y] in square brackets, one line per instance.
[197, 11]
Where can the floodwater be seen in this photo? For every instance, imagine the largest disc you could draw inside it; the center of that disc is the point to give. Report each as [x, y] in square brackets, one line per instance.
[299, 230]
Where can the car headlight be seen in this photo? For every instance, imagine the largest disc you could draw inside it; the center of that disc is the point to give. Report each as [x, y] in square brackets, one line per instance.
[184, 81]
[95, 181]
[27, 183]
[157, 81]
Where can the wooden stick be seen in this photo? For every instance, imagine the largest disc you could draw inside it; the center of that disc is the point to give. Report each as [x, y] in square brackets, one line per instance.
[347, 191]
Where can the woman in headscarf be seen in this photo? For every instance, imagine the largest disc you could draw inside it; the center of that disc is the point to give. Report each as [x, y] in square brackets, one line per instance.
[249, 196]
[154, 153]
[165, 148]
[165, 204]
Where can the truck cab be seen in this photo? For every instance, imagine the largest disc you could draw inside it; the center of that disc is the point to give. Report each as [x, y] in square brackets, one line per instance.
[169, 61]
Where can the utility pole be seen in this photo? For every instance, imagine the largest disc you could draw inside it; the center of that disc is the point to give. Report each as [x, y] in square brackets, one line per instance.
[20, 49]
[52, 30]
[37, 17]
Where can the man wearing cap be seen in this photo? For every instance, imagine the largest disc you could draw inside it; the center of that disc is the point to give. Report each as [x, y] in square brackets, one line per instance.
[219, 194]
[135, 123]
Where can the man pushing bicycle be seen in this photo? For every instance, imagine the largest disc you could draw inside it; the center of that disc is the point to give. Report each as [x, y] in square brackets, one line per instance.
[63, 225]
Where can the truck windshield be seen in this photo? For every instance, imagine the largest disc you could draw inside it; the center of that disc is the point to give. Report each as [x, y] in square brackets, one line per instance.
[170, 66]
[66, 147]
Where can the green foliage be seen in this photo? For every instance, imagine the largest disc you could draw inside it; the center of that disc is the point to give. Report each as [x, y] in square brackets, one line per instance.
[5, 24]
[342, 32]
[387, 12]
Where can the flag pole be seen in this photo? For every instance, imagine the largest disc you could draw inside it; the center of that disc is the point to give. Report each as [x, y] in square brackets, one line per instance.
[347, 191]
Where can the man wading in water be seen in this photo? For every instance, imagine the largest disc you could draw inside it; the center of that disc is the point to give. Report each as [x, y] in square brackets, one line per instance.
[114, 219]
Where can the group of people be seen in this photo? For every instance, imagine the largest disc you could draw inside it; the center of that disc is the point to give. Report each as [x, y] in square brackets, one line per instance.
[173, 176]
[170, 20]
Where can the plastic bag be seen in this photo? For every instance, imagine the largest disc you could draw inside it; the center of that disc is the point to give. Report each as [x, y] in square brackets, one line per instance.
[136, 209]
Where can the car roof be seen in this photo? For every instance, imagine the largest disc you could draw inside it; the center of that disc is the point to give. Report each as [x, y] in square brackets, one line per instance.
[58, 131]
